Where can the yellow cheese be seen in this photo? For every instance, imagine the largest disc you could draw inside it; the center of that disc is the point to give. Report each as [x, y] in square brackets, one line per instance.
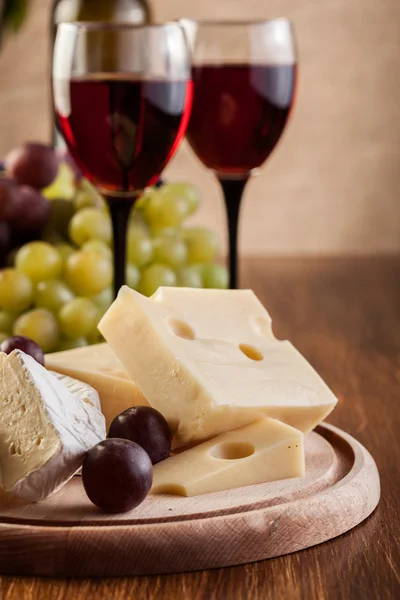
[208, 385]
[98, 366]
[264, 451]
[230, 315]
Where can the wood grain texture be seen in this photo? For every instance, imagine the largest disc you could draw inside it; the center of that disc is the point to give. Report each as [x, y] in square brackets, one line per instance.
[344, 315]
[67, 536]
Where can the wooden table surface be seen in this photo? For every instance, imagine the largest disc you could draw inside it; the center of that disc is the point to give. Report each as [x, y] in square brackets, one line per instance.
[344, 316]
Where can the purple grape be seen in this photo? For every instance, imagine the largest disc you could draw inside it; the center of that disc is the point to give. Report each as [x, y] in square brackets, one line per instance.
[32, 211]
[25, 344]
[33, 164]
[8, 199]
[5, 242]
[145, 426]
[117, 475]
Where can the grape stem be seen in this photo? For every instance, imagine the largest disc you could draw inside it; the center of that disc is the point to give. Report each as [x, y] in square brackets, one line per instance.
[120, 210]
[233, 193]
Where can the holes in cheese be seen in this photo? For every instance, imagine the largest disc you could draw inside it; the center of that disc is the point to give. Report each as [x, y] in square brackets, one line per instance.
[181, 329]
[232, 450]
[264, 451]
[251, 352]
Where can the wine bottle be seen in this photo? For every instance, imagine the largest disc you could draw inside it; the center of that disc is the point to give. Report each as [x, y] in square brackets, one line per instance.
[112, 11]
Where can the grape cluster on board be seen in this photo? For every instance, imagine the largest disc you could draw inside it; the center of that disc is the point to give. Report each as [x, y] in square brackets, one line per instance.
[55, 246]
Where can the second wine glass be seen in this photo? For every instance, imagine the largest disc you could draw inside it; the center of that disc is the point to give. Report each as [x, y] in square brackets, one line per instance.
[122, 97]
[244, 77]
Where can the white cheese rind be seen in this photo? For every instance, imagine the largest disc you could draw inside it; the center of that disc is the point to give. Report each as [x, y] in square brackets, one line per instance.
[264, 451]
[205, 386]
[81, 390]
[76, 425]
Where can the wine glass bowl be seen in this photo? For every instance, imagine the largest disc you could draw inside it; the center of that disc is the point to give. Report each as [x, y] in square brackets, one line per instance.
[122, 97]
[244, 79]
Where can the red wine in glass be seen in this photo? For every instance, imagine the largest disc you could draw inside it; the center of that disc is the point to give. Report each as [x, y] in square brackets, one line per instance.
[244, 80]
[122, 130]
[122, 98]
[239, 113]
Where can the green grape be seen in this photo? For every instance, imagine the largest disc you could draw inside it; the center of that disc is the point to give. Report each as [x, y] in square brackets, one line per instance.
[7, 321]
[170, 250]
[41, 326]
[64, 184]
[103, 300]
[202, 244]
[16, 290]
[155, 276]
[87, 196]
[90, 224]
[185, 191]
[190, 276]
[132, 276]
[157, 231]
[65, 251]
[52, 295]
[71, 343]
[139, 246]
[165, 210]
[3, 336]
[88, 273]
[98, 246]
[79, 317]
[215, 276]
[39, 261]
[56, 229]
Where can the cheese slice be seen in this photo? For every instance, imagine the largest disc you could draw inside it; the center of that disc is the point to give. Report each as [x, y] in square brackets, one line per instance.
[99, 367]
[45, 430]
[264, 451]
[205, 386]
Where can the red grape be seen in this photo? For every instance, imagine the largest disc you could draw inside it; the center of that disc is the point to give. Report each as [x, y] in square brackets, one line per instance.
[8, 198]
[25, 344]
[32, 164]
[117, 475]
[5, 240]
[31, 212]
[145, 426]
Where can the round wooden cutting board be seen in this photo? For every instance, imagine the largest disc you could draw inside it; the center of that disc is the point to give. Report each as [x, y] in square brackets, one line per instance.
[67, 536]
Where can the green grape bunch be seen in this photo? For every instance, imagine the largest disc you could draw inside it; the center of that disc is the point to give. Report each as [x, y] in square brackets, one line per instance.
[55, 287]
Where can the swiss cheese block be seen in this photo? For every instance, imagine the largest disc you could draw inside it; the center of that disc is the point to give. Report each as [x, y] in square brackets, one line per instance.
[207, 385]
[98, 366]
[264, 451]
[45, 431]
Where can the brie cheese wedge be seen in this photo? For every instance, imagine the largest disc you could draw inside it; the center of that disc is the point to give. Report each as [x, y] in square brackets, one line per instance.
[82, 391]
[45, 430]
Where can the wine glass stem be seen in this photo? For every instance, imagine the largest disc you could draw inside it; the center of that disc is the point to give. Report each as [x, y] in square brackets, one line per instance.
[120, 210]
[233, 193]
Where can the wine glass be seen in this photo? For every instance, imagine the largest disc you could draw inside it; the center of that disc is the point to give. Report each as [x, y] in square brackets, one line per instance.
[244, 79]
[122, 97]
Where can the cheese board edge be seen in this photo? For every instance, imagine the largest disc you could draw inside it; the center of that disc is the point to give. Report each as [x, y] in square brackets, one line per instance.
[226, 539]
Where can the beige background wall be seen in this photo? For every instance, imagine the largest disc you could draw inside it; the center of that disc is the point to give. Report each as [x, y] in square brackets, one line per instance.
[333, 185]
